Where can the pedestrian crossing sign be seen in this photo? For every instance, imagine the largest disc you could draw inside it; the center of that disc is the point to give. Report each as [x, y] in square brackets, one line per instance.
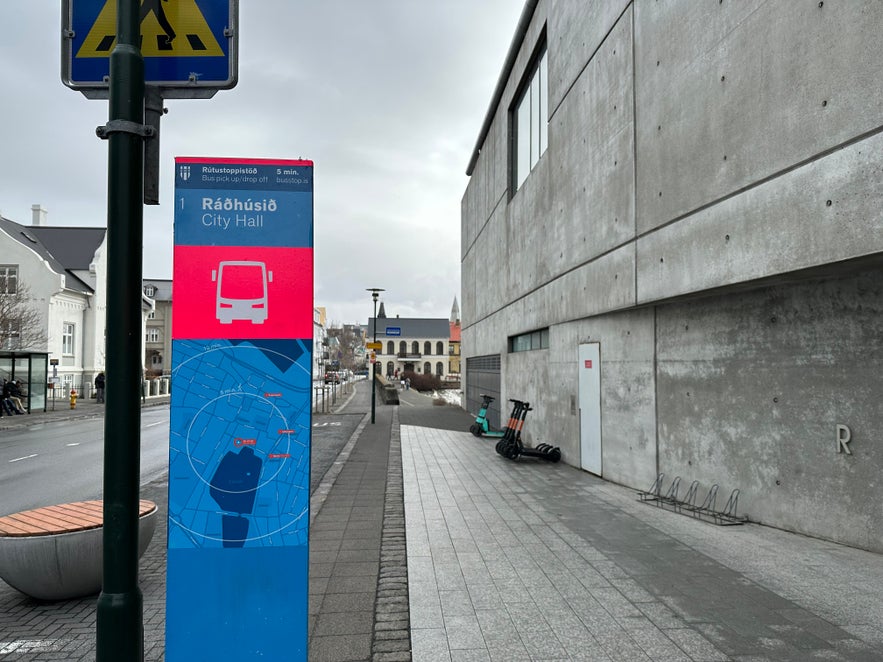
[187, 45]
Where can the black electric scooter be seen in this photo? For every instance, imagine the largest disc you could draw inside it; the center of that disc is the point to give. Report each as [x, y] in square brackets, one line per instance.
[511, 447]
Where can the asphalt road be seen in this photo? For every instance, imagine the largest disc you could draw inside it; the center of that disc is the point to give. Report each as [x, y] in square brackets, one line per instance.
[61, 461]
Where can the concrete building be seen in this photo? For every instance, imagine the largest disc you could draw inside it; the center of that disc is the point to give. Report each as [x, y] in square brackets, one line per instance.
[672, 246]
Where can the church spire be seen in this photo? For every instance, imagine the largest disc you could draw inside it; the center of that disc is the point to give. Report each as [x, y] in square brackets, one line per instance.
[455, 312]
[382, 312]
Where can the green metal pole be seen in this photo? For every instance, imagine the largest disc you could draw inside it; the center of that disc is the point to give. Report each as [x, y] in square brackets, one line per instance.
[120, 626]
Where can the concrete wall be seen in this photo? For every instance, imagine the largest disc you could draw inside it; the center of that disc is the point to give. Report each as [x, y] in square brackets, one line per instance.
[751, 390]
[711, 166]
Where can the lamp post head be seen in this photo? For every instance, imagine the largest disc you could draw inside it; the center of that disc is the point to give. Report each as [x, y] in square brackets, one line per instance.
[375, 292]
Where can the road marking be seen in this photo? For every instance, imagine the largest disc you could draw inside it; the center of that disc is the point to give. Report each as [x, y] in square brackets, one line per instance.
[153, 425]
[26, 457]
[77, 443]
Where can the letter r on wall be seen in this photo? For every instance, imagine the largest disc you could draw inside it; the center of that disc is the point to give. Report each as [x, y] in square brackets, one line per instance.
[844, 436]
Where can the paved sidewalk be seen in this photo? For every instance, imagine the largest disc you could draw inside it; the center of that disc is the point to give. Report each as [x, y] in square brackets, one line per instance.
[528, 560]
[427, 545]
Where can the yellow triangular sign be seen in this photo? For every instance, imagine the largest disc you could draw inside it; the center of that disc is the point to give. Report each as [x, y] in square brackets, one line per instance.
[169, 28]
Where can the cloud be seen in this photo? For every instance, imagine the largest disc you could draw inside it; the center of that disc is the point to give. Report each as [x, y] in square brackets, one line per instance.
[387, 97]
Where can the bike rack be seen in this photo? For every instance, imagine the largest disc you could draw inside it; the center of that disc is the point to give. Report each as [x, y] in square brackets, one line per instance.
[706, 511]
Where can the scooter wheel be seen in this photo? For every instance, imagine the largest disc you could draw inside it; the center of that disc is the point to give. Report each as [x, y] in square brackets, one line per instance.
[475, 429]
[499, 447]
[554, 455]
[511, 451]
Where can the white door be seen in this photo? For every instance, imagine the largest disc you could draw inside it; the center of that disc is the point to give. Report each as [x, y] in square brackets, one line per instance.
[590, 407]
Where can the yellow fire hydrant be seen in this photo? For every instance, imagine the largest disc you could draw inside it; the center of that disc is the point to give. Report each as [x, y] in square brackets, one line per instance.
[73, 398]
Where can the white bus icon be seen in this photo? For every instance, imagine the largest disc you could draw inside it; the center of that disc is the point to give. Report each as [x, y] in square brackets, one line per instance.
[242, 291]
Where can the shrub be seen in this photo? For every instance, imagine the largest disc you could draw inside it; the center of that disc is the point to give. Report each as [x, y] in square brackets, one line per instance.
[423, 382]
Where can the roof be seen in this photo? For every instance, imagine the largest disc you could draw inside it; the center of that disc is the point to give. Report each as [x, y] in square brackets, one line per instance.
[163, 288]
[65, 249]
[411, 327]
[521, 29]
[71, 246]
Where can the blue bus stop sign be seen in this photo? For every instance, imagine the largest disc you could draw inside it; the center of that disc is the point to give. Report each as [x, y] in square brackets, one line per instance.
[189, 46]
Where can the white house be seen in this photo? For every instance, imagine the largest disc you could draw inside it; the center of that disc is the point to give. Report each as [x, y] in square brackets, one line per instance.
[65, 271]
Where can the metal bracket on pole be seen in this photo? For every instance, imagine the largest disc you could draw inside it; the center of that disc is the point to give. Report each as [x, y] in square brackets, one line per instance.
[153, 111]
[124, 126]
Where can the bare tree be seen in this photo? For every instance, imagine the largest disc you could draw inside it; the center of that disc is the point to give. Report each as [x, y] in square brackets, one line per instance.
[21, 326]
[349, 340]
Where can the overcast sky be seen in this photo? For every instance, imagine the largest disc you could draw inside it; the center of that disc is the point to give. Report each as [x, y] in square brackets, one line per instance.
[386, 97]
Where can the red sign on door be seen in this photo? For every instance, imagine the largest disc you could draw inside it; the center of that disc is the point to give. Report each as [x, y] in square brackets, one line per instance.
[588, 363]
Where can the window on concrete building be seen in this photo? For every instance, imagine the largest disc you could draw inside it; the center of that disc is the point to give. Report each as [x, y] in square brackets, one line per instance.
[67, 338]
[427, 347]
[529, 119]
[390, 347]
[526, 342]
[8, 278]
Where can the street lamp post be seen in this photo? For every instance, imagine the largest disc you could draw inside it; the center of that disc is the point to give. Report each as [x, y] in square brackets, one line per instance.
[375, 293]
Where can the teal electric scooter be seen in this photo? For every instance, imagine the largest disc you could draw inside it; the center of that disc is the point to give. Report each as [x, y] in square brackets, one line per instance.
[481, 427]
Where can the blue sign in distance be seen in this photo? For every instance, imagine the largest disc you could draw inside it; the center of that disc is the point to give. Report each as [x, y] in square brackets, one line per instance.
[393, 330]
[189, 45]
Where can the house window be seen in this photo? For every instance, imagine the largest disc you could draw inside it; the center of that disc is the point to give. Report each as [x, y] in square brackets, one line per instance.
[528, 341]
[10, 334]
[390, 347]
[152, 335]
[427, 368]
[8, 279]
[150, 290]
[415, 347]
[403, 347]
[151, 315]
[67, 339]
[427, 347]
[439, 348]
[439, 369]
[530, 119]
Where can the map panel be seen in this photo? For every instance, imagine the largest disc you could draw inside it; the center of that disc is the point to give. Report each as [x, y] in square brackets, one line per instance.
[239, 461]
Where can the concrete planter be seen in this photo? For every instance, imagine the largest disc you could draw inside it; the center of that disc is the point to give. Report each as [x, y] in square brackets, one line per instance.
[64, 565]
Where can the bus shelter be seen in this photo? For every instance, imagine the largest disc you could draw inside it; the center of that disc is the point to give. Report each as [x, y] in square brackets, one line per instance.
[32, 369]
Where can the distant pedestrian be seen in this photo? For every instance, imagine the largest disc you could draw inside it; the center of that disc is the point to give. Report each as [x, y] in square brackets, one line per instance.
[407, 383]
[99, 387]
